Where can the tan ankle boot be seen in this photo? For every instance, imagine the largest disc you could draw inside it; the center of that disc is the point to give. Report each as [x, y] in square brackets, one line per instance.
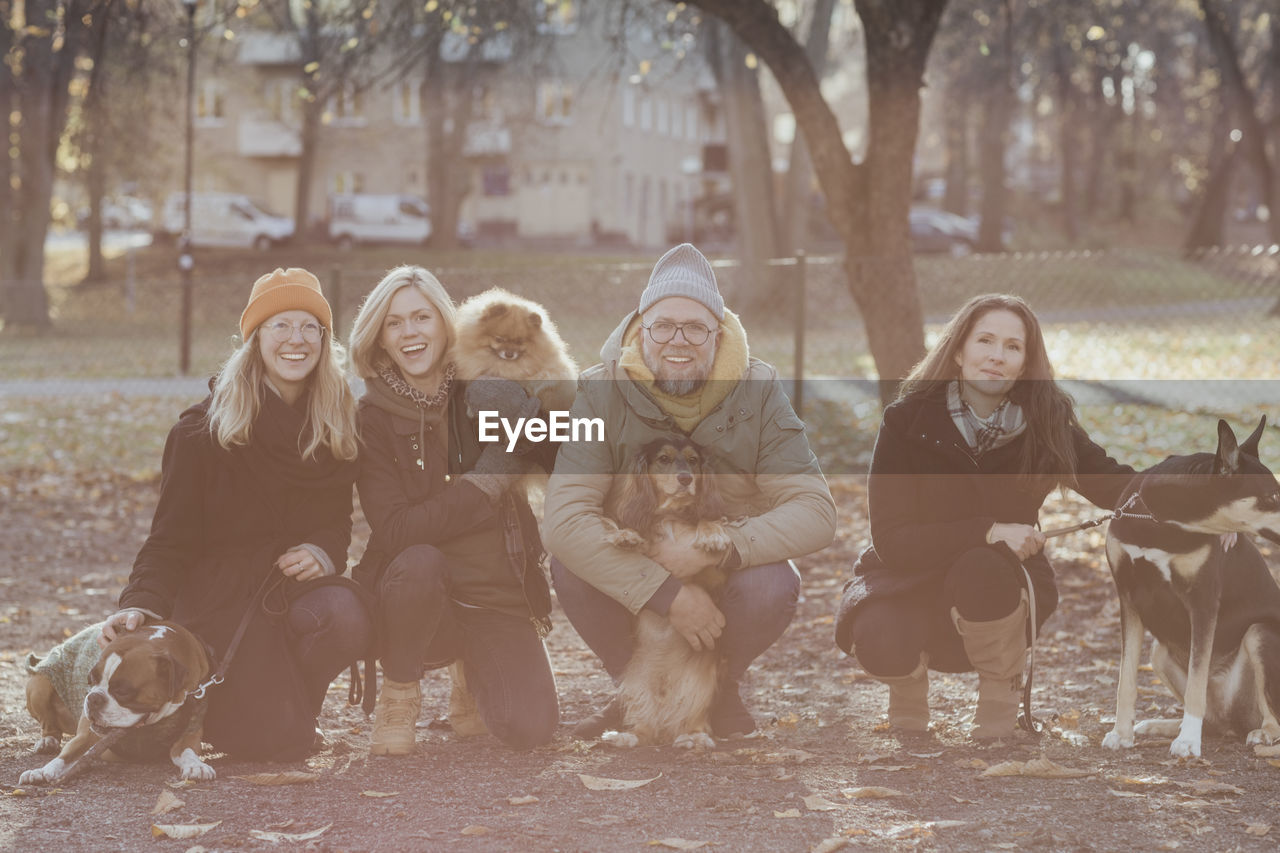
[909, 699]
[464, 716]
[394, 718]
[998, 651]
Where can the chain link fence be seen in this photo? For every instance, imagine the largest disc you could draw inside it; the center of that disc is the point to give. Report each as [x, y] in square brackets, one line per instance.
[1120, 318]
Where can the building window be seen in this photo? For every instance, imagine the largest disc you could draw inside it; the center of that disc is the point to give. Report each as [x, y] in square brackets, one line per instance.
[628, 106]
[211, 107]
[646, 113]
[496, 180]
[677, 121]
[691, 123]
[282, 100]
[346, 107]
[555, 102]
[559, 17]
[406, 108]
[348, 182]
[664, 122]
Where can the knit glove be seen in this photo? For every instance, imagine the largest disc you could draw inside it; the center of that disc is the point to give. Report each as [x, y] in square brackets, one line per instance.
[504, 396]
[496, 471]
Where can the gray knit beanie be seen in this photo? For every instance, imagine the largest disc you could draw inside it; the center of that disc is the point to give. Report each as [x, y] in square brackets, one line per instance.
[683, 271]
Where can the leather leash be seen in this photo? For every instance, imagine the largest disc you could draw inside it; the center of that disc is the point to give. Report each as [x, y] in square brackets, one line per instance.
[220, 675]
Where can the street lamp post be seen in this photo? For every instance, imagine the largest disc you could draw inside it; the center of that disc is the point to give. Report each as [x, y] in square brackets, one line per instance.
[185, 262]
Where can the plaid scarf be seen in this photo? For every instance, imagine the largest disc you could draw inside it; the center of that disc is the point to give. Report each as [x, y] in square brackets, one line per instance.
[983, 434]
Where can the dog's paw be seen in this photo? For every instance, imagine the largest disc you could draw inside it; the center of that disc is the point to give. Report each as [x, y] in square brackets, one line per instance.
[626, 538]
[694, 740]
[1115, 740]
[191, 767]
[46, 775]
[1185, 747]
[711, 537]
[47, 745]
[623, 739]
[1261, 736]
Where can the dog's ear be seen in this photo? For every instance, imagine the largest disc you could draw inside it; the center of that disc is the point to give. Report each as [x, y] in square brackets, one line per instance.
[535, 320]
[711, 506]
[638, 498]
[1250, 445]
[1227, 458]
[494, 311]
[171, 671]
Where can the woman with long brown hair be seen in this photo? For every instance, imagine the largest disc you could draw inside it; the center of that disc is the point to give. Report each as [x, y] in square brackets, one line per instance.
[964, 459]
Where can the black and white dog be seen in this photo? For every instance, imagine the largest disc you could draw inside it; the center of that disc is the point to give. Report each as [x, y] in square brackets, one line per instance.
[1209, 600]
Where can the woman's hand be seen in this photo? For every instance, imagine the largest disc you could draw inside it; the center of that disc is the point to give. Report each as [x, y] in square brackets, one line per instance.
[677, 555]
[1022, 539]
[299, 564]
[120, 622]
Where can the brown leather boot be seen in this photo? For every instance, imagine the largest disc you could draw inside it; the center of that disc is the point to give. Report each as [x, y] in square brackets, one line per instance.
[909, 699]
[464, 716]
[998, 651]
[395, 717]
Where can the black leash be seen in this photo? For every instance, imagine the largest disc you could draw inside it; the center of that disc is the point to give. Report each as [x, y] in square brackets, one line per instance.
[268, 583]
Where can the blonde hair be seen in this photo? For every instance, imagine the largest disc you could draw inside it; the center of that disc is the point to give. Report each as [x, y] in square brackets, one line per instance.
[331, 407]
[366, 352]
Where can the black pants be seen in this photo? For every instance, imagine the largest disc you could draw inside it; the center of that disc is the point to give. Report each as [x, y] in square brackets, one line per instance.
[503, 657]
[890, 633]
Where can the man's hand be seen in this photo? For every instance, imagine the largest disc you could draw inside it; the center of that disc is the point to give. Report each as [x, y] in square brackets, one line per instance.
[678, 556]
[120, 622]
[695, 617]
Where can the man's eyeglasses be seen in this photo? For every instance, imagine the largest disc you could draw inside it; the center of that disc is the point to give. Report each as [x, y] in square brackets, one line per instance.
[663, 332]
[280, 331]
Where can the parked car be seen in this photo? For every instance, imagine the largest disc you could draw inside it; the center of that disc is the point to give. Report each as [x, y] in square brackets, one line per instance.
[123, 212]
[225, 219]
[378, 218]
[934, 230]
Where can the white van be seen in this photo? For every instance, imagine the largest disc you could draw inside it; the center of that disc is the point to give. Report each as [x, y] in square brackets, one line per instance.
[378, 218]
[225, 219]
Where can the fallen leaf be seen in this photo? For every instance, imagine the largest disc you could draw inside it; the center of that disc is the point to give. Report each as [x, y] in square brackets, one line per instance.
[1039, 768]
[787, 813]
[1257, 829]
[286, 777]
[1138, 780]
[182, 830]
[377, 794]
[963, 801]
[788, 754]
[815, 803]
[182, 783]
[1113, 792]
[925, 754]
[1265, 751]
[476, 829]
[1205, 787]
[829, 845]
[166, 803]
[892, 768]
[972, 764]
[598, 783]
[871, 793]
[677, 843]
[293, 837]
[522, 801]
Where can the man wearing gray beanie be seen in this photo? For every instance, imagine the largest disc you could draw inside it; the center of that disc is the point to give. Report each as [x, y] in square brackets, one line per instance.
[679, 366]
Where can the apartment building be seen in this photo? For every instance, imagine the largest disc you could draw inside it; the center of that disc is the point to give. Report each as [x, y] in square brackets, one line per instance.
[569, 142]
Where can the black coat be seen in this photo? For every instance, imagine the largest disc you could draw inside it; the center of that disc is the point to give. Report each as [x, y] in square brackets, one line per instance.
[224, 516]
[407, 504]
[931, 501]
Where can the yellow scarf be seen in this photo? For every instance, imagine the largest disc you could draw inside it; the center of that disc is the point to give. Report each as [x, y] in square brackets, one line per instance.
[728, 367]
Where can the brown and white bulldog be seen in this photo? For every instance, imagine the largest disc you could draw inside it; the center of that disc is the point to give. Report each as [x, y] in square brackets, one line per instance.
[141, 682]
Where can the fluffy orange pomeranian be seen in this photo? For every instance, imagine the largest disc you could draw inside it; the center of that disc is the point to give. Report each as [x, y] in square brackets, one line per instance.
[510, 337]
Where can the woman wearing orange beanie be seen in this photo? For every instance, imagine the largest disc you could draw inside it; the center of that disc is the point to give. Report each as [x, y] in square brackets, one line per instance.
[255, 500]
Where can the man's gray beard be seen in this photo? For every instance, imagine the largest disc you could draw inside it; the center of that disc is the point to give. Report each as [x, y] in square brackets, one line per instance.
[678, 387]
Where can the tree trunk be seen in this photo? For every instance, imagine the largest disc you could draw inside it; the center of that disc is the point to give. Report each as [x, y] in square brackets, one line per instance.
[1102, 121]
[448, 110]
[94, 145]
[995, 129]
[956, 116]
[867, 203]
[794, 220]
[1067, 138]
[8, 218]
[309, 140]
[750, 166]
[1207, 224]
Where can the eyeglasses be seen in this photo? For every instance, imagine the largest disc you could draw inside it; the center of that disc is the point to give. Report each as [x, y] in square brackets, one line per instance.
[663, 332]
[280, 331]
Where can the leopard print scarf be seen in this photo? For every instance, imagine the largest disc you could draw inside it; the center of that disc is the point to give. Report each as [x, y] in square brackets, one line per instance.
[395, 380]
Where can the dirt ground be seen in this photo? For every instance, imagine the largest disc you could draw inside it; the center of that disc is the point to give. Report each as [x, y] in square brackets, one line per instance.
[800, 784]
